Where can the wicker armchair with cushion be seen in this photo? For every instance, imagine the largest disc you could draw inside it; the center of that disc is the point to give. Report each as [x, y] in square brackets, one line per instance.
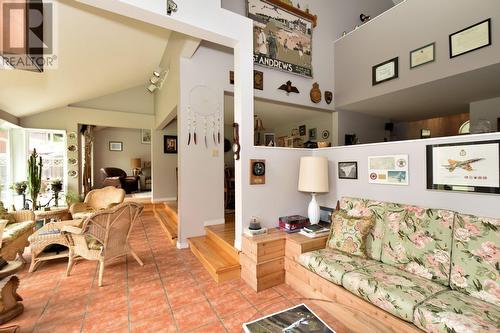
[103, 236]
[20, 225]
[111, 176]
[97, 200]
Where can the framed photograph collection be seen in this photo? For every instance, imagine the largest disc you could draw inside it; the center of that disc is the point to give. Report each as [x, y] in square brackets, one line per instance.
[466, 167]
[388, 169]
[461, 42]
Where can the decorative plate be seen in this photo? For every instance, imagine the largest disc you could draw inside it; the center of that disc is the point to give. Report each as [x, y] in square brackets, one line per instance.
[72, 148]
[72, 173]
[72, 161]
[72, 136]
[325, 134]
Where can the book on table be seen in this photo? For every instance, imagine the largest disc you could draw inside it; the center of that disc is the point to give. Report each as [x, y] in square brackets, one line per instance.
[314, 235]
[315, 228]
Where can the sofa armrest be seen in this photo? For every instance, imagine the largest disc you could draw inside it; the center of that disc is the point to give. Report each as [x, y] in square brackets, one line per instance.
[23, 215]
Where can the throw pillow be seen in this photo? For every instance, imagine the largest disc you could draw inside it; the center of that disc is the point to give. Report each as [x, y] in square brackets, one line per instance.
[5, 215]
[348, 233]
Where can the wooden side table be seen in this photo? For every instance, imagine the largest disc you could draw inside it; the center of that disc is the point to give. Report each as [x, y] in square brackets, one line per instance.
[10, 301]
[262, 259]
[296, 244]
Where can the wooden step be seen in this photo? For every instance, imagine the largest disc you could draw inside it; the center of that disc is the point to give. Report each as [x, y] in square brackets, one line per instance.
[220, 264]
[223, 236]
[168, 221]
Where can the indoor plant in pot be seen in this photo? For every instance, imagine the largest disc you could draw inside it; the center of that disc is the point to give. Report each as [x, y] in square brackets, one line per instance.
[34, 177]
[56, 186]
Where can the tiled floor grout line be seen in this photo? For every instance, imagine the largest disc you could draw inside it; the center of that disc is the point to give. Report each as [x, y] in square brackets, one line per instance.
[159, 273]
[89, 299]
[48, 302]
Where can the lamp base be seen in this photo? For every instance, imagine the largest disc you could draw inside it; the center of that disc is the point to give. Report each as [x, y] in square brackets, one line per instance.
[313, 210]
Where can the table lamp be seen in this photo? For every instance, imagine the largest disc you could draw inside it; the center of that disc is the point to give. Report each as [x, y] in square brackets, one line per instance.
[136, 165]
[313, 178]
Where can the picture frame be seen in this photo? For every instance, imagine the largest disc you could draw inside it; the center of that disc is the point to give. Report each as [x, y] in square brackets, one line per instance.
[425, 133]
[423, 55]
[115, 146]
[146, 135]
[470, 39]
[302, 130]
[472, 166]
[170, 144]
[388, 169]
[270, 139]
[258, 79]
[313, 133]
[325, 214]
[347, 170]
[385, 71]
[278, 44]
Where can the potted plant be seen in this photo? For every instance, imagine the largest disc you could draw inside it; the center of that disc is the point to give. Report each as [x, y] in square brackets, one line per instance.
[56, 186]
[19, 187]
[34, 177]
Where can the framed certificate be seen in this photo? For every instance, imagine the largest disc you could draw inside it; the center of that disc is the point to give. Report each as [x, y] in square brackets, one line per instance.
[470, 39]
[423, 55]
[385, 71]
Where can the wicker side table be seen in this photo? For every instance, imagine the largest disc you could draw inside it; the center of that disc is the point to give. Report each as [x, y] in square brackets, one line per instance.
[58, 214]
[49, 234]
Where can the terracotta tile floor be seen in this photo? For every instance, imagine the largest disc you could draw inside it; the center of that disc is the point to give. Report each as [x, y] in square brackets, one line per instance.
[171, 293]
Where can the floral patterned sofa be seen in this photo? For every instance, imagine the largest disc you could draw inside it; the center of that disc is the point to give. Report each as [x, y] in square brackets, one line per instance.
[434, 268]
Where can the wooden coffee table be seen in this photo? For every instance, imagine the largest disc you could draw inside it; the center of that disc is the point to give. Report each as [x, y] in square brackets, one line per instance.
[49, 234]
[10, 301]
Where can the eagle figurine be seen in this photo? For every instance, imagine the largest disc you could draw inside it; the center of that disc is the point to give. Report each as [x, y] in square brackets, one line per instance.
[289, 88]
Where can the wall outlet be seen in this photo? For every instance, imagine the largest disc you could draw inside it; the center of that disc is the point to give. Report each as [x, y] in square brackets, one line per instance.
[215, 152]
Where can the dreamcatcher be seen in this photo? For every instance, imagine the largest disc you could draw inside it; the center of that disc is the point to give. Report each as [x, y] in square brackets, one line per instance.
[204, 110]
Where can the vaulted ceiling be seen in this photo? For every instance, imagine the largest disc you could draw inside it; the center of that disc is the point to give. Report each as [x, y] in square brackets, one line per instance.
[98, 53]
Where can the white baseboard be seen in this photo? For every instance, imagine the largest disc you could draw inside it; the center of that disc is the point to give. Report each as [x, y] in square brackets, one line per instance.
[181, 245]
[213, 222]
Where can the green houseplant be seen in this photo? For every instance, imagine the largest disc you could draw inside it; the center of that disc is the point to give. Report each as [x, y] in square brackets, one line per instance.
[56, 185]
[34, 176]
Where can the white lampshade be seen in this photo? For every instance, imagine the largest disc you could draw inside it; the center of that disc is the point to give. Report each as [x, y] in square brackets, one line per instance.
[313, 175]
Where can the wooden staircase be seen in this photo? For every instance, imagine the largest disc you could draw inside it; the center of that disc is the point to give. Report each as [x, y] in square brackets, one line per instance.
[166, 213]
[216, 252]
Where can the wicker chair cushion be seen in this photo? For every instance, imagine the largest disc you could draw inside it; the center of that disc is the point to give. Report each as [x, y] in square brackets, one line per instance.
[13, 230]
[5, 215]
[92, 243]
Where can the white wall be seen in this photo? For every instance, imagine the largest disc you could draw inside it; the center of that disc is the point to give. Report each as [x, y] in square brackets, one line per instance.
[408, 26]
[416, 192]
[164, 166]
[488, 109]
[132, 148]
[369, 129]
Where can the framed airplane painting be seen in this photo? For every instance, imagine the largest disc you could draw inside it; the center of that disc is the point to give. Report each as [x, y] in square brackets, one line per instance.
[466, 166]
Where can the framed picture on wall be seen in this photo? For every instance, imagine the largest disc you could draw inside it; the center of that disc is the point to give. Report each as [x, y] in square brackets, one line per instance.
[388, 169]
[348, 170]
[115, 146]
[423, 55]
[466, 167]
[385, 71]
[170, 144]
[470, 39]
[145, 136]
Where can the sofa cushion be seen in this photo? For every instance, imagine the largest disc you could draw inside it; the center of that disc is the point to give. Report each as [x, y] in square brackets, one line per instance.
[452, 311]
[475, 257]
[368, 208]
[391, 289]
[332, 264]
[13, 230]
[348, 234]
[418, 240]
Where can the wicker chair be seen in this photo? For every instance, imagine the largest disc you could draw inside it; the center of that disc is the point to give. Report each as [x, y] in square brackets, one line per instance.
[15, 235]
[103, 236]
[96, 200]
